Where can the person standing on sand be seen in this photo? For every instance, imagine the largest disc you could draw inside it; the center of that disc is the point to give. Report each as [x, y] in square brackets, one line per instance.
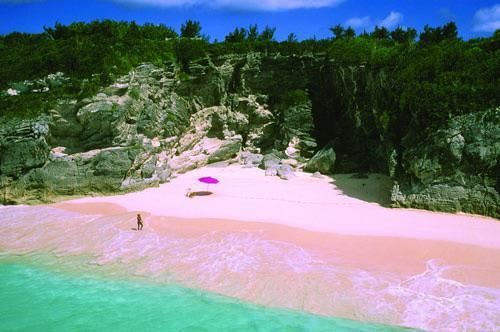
[140, 224]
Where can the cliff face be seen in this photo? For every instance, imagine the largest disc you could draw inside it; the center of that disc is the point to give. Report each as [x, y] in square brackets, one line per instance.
[153, 123]
[156, 122]
[351, 110]
[455, 168]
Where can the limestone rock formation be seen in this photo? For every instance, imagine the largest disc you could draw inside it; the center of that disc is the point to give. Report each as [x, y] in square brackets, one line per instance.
[270, 160]
[456, 169]
[23, 146]
[285, 172]
[94, 171]
[250, 159]
[258, 109]
[323, 161]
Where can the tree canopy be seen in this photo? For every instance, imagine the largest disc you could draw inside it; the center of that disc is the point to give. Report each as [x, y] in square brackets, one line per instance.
[191, 29]
[437, 72]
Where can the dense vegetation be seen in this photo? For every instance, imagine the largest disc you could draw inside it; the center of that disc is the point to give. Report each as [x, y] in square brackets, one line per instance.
[422, 108]
[429, 79]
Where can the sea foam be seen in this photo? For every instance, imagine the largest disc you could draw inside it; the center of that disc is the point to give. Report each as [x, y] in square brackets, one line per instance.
[246, 265]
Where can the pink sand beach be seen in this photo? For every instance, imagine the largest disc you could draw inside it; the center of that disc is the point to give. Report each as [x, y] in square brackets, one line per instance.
[322, 245]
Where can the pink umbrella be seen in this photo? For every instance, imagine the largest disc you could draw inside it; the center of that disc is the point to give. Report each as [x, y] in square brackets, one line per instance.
[208, 180]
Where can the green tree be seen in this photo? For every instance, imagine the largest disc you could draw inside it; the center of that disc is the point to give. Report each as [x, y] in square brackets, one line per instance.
[237, 36]
[338, 31]
[292, 38]
[400, 35]
[59, 31]
[349, 32]
[187, 50]
[267, 35]
[380, 33]
[157, 32]
[253, 33]
[191, 29]
[431, 36]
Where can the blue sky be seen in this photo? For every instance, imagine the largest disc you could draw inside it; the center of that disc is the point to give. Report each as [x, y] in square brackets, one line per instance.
[306, 18]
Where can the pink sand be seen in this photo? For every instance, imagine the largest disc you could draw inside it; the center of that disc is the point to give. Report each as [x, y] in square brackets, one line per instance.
[300, 244]
[305, 202]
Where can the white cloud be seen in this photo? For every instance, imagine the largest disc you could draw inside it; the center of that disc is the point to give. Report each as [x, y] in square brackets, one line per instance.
[392, 20]
[264, 5]
[359, 22]
[487, 19]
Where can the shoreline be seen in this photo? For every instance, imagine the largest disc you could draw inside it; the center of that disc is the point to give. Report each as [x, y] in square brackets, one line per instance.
[305, 202]
[402, 256]
[364, 233]
[301, 244]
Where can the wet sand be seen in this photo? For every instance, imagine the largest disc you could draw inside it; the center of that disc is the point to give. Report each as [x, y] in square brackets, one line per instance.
[375, 253]
[302, 244]
[357, 228]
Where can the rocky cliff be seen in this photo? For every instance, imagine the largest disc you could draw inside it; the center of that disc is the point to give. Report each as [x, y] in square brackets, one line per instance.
[455, 168]
[269, 110]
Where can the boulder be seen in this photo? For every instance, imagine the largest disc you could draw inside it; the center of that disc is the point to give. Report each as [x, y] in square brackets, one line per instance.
[323, 161]
[292, 150]
[208, 150]
[164, 174]
[250, 159]
[149, 168]
[449, 198]
[270, 160]
[228, 149]
[60, 176]
[272, 171]
[187, 161]
[290, 162]
[112, 163]
[317, 175]
[285, 172]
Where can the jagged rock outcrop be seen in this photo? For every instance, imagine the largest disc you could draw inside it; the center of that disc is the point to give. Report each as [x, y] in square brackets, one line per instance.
[216, 134]
[456, 169]
[284, 113]
[285, 172]
[140, 130]
[23, 146]
[274, 165]
[270, 160]
[323, 161]
[250, 159]
[80, 173]
[351, 112]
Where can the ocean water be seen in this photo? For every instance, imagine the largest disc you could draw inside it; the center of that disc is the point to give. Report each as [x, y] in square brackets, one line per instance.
[37, 299]
[156, 280]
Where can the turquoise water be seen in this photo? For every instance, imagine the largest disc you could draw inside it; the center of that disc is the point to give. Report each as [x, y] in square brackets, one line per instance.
[36, 299]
